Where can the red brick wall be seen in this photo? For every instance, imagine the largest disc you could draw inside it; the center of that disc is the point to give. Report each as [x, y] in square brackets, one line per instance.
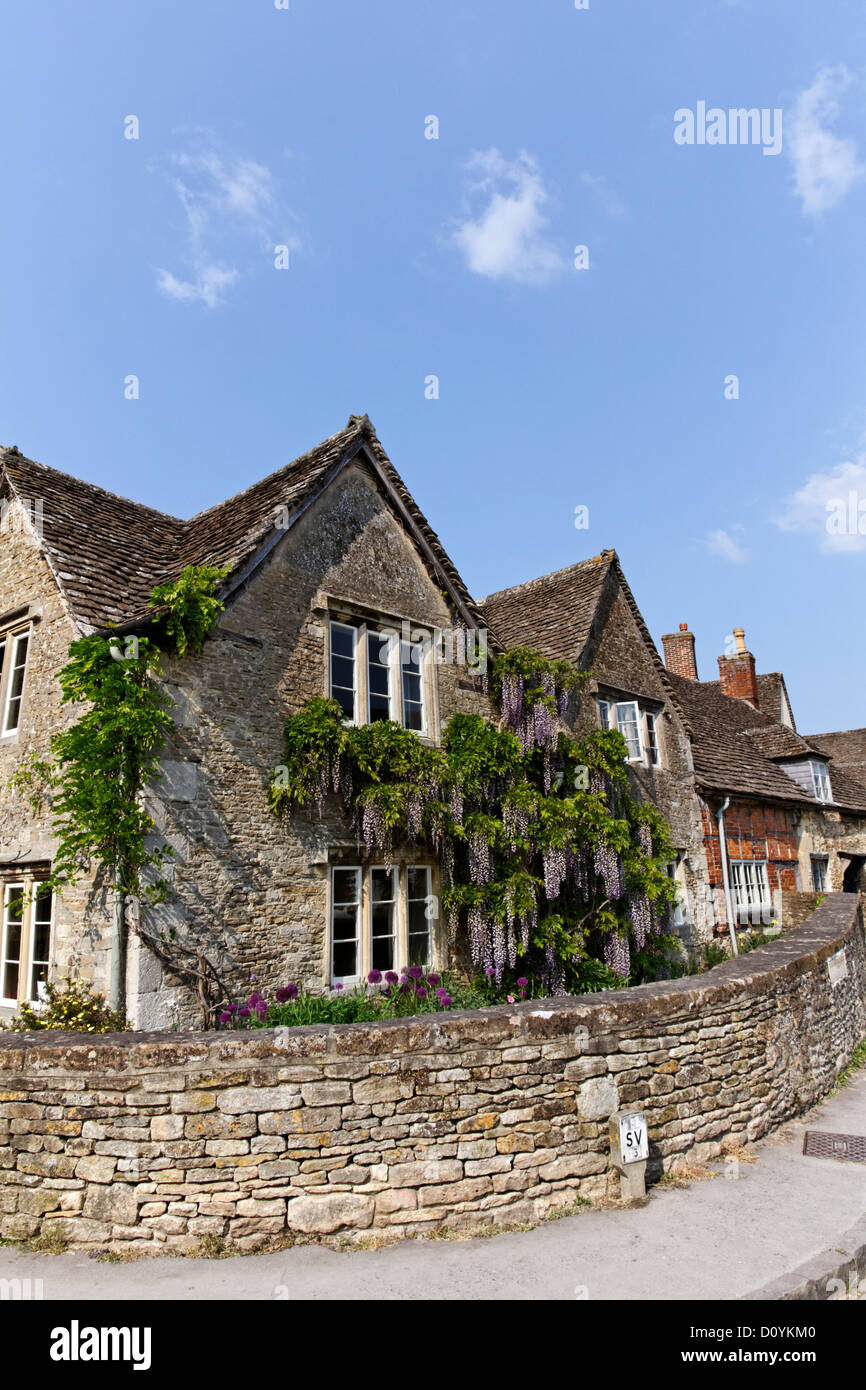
[754, 832]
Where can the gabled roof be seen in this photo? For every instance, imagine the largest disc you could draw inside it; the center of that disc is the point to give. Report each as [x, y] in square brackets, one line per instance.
[552, 614]
[107, 552]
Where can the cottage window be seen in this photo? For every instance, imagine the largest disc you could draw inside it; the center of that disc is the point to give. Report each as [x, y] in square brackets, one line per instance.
[375, 670]
[675, 873]
[751, 888]
[380, 919]
[819, 873]
[13, 666]
[821, 781]
[652, 744]
[638, 727]
[25, 940]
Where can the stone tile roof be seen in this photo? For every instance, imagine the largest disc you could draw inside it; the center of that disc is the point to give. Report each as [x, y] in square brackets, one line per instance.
[735, 748]
[847, 748]
[107, 552]
[553, 613]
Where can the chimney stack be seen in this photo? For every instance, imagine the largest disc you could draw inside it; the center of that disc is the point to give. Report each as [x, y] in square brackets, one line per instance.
[680, 652]
[737, 672]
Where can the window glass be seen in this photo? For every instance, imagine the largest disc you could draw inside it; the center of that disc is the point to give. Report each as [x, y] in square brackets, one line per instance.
[629, 727]
[40, 940]
[821, 781]
[345, 921]
[378, 677]
[751, 890]
[412, 689]
[652, 740]
[343, 677]
[420, 906]
[13, 923]
[15, 686]
[383, 903]
[819, 873]
[604, 713]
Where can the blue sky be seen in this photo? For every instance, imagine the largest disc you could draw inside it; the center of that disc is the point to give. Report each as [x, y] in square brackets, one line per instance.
[411, 257]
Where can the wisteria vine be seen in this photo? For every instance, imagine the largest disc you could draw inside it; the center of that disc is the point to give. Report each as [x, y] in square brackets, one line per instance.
[545, 852]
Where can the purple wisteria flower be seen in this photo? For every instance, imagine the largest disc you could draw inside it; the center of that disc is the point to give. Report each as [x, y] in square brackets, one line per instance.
[375, 977]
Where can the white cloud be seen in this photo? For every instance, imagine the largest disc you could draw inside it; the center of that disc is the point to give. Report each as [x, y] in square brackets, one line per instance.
[829, 505]
[505, 239]
[231, 213]
[825, 166]
[723, 544]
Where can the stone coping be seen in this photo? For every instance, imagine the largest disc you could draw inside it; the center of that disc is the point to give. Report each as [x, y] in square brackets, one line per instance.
[603, 1015]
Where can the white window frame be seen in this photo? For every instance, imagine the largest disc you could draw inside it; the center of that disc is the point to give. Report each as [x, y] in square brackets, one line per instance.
[10, 891]
[750, 886]
[364, 920]
[345, 627]
[608, 713]
[640, 756]
[27, 888]
[11, 643]
[823, 861]
[365, 639]
[38, 995]
[821, 780]
[604, 713]
[651, 743]
[679, 911]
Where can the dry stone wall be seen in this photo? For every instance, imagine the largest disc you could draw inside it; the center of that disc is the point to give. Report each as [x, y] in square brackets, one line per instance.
[152, 1141]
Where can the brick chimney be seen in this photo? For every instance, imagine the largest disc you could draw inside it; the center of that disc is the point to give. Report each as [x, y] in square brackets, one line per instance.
[680, 652]
[737, 672]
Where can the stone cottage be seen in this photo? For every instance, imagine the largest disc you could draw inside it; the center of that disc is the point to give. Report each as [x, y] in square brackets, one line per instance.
[337, 585]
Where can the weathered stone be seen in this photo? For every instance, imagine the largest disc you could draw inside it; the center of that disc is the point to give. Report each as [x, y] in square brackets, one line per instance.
[330, 1213]
[115, 1203]
[598, 1098]
[243, 1100]
[97, 1168]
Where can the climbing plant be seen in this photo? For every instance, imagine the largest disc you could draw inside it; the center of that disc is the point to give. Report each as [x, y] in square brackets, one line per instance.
[102, 764]
[546, 854]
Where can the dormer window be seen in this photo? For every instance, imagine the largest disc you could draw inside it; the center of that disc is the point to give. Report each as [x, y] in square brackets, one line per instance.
[14, 647]
[376, 674]
[821, 781]
[812, 775]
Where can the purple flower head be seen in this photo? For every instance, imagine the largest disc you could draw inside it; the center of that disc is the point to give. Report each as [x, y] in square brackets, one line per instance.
[421, 992]
[446, 1001]
[433, 980]
[243, 1013]
[233, 1008]
[375, 977]
[292, 991]
[440, 991]
[391, 977]
[338, 985]
[285, 993]
[405, 987]
[254, 998]
[415, 972]
[490, 972]
[522, 982]
[225, 1018]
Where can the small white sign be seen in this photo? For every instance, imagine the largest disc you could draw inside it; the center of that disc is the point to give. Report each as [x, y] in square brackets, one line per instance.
[837, 968]
[633, 1138]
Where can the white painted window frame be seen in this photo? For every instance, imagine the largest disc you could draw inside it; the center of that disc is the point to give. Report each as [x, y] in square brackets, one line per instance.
[821, 780]
[11, 643]
[365, 636]
[747, 876]
[364, 919]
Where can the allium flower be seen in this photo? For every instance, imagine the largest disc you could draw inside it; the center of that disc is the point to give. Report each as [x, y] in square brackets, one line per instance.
[415, 972]
[338, 985]
[490, 972]
[285, 993]
[391, 977]
[254, 998]
[405, 987]
[243, 1013]
[233, 1008]
[433, 980]
[225, 1018]
[446, 1001]
[420, 992]
[440, 991]
[375, 977]
[522, 981]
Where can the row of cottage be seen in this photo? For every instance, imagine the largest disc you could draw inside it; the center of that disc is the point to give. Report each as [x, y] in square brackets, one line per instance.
[323, 557]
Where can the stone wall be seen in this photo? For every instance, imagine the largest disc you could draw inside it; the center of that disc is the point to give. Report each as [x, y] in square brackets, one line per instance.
[147, 1142]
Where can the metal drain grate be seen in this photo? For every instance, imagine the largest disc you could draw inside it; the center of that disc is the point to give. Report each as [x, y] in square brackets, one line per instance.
[844, 1146]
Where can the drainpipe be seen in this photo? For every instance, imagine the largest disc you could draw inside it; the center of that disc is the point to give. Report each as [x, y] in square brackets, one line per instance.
[117, 979]
[723, 847]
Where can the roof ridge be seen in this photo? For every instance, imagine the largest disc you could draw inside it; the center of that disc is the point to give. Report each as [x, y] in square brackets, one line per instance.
[606, 556]
[5, 451]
